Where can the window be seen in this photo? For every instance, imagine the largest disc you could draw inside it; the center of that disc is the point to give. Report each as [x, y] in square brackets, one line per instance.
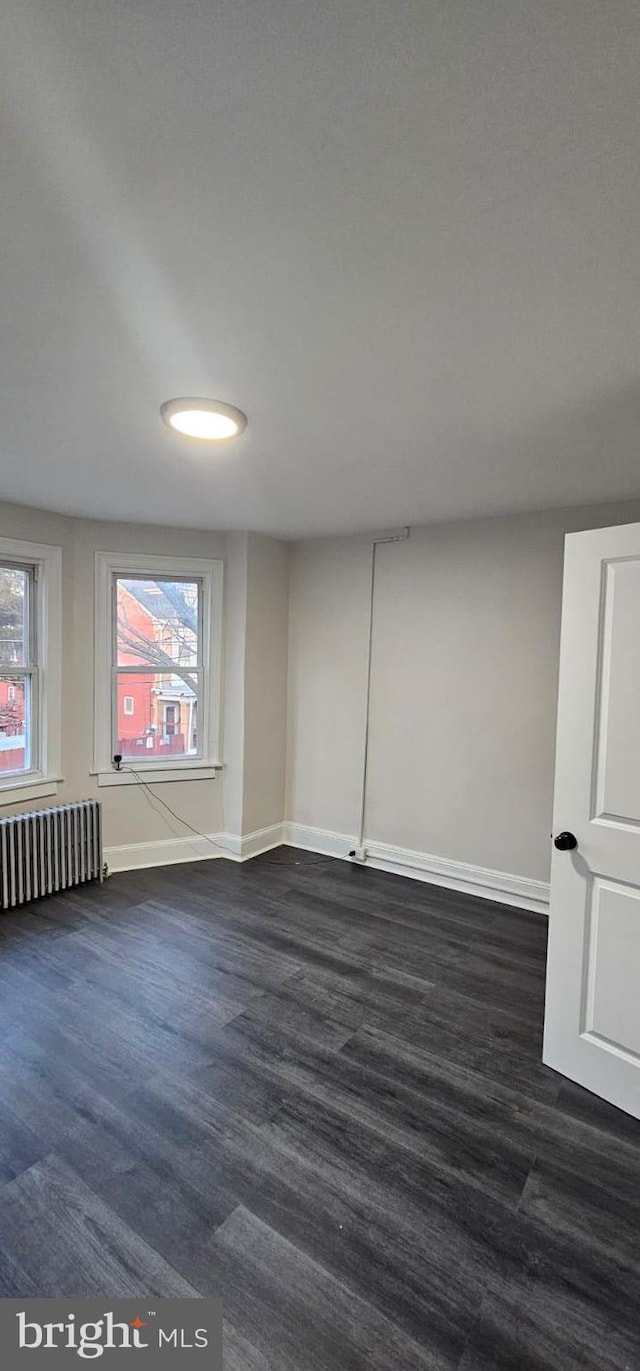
[18, 656]
[158, 665]
[29, 670]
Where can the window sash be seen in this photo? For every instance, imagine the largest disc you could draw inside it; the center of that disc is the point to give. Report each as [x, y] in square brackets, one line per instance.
[152, 672]
[31, 678]
[142, 669]
[30, 672]
[30, 645]
[156, 580]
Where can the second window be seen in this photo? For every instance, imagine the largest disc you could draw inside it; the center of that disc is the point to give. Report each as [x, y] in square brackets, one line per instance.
[157, 668]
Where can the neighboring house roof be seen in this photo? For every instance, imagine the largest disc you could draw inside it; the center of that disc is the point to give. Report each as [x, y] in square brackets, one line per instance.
[154, 601]
[175, 687]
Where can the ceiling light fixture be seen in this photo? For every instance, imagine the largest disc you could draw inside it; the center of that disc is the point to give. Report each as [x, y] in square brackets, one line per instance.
[209, 420]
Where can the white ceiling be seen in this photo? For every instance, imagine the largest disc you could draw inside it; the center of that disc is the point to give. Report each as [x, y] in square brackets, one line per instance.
[402, 235]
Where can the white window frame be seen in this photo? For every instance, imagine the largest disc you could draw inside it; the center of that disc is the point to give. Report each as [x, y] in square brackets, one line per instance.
[44, 775]
[108, 567]
[128, 700]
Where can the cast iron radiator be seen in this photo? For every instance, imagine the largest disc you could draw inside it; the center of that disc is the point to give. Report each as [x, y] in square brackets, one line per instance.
[49, 850]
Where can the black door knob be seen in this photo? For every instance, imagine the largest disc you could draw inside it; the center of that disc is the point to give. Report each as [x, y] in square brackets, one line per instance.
[565, 842]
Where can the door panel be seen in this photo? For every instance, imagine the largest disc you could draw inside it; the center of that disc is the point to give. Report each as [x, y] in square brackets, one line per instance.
[612, 961]
[618, 770]
[592, 1015]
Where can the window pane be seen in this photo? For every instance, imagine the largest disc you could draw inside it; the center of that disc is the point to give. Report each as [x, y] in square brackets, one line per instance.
[15, 745]
[157, 623]
[156, 715]
[14, 602]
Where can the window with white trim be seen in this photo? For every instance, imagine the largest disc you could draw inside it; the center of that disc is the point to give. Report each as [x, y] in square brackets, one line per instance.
[30, 660]
[158, 666]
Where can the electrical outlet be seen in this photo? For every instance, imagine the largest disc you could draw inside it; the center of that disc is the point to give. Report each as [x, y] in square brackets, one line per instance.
[358, 854]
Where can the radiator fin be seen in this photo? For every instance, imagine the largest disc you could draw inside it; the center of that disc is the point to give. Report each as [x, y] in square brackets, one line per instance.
[49, 850]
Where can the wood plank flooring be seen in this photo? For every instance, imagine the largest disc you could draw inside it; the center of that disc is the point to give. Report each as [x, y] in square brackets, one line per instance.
[316, 1091]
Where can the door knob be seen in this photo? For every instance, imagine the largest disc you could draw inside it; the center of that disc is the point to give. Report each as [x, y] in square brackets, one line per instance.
[565, 842]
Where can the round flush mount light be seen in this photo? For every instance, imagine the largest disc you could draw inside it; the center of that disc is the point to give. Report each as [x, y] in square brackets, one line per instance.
[209, 420]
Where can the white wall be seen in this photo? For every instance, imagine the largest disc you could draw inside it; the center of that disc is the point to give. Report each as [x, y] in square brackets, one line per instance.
[255, 704]
[265, 697]
[329, 590]
[256, 589]
[233, 704]
[463, 703]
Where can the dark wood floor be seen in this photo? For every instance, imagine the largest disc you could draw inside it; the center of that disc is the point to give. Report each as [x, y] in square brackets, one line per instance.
[315, 1090]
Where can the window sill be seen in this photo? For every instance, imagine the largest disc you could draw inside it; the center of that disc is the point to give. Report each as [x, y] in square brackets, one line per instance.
[15, 791]
[151, 775]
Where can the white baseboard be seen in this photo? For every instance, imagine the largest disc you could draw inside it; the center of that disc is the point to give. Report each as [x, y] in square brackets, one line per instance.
[501, 886]
[261, 840]
[317, 839]
[136, 856]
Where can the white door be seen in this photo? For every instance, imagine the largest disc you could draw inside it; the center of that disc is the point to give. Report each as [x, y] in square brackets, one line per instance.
[592, 1018]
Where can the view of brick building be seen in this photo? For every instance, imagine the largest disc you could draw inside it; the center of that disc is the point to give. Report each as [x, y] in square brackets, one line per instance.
[12, 724]
[157, 706]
